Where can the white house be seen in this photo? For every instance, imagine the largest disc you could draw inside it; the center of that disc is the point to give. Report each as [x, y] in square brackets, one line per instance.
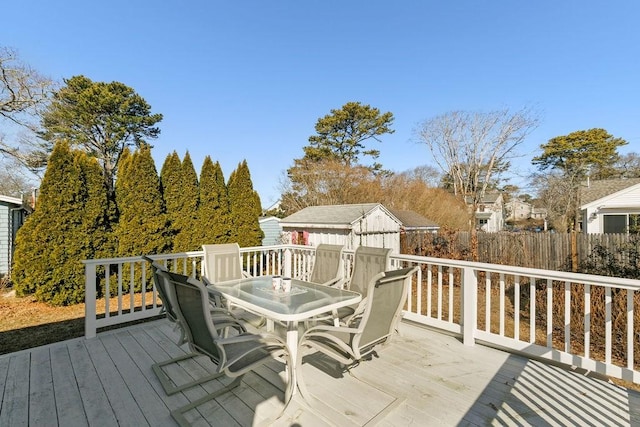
[610, 206]
[489, 212]
[518, 210]
[366, 224]
[12, 216]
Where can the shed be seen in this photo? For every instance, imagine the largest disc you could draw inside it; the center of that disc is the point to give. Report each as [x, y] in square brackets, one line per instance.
[270, 226]
[12, 216]
[365, 224]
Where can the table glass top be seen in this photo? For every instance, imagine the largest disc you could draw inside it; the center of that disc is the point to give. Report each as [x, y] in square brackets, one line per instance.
[304, 297]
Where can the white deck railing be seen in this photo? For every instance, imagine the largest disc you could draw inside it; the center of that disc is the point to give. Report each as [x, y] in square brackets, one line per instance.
[591, 322]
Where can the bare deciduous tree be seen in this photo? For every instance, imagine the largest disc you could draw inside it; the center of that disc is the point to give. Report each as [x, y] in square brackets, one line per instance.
[470, 146]
[24, 93]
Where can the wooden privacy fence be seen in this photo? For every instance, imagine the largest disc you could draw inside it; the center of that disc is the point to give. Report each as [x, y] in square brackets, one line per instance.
[549, 251]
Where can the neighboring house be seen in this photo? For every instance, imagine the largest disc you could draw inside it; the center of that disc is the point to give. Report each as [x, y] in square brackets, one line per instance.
[270, 226]
[517, 210]
[12, 216]
[538, 213]
[610, 206]
[489, 212]
[366, 224]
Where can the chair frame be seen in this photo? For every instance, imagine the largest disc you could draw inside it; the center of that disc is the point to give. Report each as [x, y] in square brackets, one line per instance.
[224, 320]
[332, 340]
[266, 346]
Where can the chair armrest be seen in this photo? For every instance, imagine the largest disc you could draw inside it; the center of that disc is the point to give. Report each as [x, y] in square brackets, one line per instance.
[335, 283]
[222, 321]
[328, 328]
[250, 337]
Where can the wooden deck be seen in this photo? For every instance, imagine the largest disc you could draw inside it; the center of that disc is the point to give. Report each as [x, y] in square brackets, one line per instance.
[423, 378]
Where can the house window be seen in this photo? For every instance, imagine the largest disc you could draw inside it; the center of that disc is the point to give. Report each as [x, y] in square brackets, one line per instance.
[621, 223]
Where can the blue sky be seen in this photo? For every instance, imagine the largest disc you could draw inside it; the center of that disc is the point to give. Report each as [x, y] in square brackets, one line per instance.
[249, 79]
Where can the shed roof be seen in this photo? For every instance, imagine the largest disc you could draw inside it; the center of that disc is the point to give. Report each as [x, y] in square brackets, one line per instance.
[597, 189]
[330, 214]
[12, 200]
[411, 219]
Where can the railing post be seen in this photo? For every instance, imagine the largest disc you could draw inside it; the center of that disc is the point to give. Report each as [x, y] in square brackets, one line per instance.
[90, 300]
[469, 305]
[287, 269]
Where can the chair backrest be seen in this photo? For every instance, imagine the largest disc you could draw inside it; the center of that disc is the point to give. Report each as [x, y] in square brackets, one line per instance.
[387, 295]
[367, 263]
[192, 308]
[222, 262]
[162, 287]
[328, 264]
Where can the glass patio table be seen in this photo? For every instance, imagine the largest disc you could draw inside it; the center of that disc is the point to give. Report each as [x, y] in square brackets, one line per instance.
[304, 301]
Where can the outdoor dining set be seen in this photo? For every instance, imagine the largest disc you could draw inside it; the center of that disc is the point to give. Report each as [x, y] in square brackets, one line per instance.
[241, 322]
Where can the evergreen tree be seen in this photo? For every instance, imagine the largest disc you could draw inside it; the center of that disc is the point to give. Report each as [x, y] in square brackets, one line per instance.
[70, 225]
[143, 226]
[170, 184]
[187, 208]
[214, 217]
[245, 208]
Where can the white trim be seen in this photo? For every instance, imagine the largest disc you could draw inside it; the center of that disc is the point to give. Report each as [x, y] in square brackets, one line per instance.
[9, 199]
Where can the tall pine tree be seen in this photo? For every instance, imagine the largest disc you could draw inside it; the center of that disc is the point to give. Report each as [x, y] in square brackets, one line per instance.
[143, 226]
[170, 184]
[188, 208]
[245, 208]
[71, 224]
[214, 217]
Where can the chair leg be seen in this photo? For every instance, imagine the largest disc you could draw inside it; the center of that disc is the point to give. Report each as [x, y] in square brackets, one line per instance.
[168, 385]
[178, 414]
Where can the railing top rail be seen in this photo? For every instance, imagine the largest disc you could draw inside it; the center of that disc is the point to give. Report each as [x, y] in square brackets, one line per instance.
[568, 276]
[190, 254]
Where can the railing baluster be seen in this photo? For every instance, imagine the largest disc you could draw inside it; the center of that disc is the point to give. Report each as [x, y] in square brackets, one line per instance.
[549, 313]
[487, 301]
[107, 291]
[502, 304]
[516, 307]
[630, 323]
[607, 330]
[120, 265]
[132, 286]
[451, 288]
[532, 309]
[567, 317]
[587, 320]
[429, 290]
[418, 309]
[439, 314]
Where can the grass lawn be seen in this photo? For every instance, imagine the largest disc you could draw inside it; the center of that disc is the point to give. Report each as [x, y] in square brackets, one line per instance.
[26, 323]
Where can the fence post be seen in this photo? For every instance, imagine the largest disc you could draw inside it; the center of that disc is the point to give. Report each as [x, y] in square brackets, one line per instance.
[90, 300]
[469, 305]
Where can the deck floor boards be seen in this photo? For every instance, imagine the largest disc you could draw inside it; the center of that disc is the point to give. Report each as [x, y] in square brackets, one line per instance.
[422, 378]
